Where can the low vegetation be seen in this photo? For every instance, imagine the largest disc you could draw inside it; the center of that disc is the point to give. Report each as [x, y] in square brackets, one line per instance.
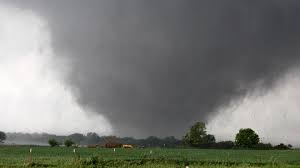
[2, 136]
[53, 142]
[68, 143]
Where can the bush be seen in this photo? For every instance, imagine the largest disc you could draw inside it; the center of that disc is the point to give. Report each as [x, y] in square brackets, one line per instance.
[53, 142]
[224, 145]
[262, 146]
[283, 147]
[2, 136]
[68, 143]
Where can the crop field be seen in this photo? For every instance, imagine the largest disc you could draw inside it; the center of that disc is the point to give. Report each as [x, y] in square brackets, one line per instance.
[145, 158]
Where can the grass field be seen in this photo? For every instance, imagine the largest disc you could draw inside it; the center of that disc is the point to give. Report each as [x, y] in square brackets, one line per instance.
[143, 158]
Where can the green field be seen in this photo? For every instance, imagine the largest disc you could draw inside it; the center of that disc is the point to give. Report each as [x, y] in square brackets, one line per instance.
[143, 158]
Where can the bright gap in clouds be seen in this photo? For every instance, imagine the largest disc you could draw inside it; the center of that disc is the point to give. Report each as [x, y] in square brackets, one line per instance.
[32, 96]
[274, 115]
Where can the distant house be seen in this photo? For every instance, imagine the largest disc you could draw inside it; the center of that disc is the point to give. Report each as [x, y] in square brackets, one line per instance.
[113, 145]
[127, 146]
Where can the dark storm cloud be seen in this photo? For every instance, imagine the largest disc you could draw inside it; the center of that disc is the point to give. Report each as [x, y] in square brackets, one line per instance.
[154, 67]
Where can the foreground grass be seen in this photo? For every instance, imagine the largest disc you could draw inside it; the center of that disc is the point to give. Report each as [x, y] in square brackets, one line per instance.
[142, 158]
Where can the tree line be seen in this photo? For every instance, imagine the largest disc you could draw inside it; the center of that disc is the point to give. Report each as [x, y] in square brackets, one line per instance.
[90, 139]
[196, 137]
[245, 139]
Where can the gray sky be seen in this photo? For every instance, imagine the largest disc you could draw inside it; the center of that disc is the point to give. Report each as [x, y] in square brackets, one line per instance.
[155, 67]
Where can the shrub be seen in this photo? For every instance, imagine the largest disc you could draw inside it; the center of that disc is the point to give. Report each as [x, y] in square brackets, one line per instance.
[224, 145]
[283, 147]
[262, 146]
[53, 142]
[68, 143]
[2, 136]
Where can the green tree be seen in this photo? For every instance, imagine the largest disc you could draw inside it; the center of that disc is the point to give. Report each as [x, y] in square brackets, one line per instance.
[246, 138]
[68, 142]
[209, 139]
[195, 135]
[53, 142]
[2, 137]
